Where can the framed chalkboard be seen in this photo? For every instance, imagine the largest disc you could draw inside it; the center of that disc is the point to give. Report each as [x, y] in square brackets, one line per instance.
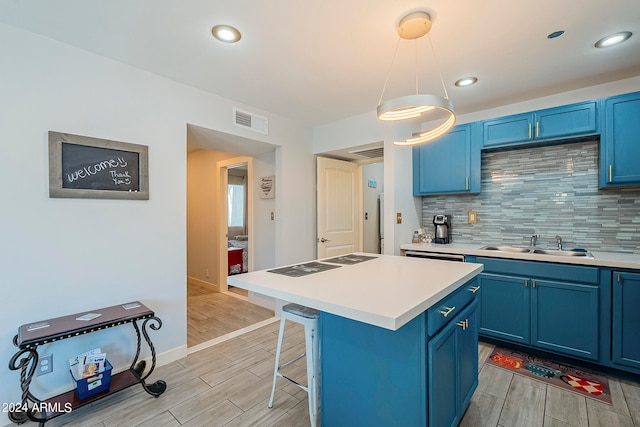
[93, 168]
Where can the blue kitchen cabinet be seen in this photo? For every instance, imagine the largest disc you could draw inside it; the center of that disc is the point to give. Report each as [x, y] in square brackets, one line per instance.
[453, 379]
[567, 121]
[450, 164]
[508, 130]
[505, 297]
[534, 304]
[564, 318]
[422, 374]
[626, 319]
[620, 142]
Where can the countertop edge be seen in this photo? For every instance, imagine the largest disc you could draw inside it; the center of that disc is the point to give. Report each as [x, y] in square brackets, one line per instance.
[391, 322]
[600, 259]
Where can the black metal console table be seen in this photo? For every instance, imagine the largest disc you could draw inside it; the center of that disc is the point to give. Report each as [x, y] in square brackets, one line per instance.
[31, 335]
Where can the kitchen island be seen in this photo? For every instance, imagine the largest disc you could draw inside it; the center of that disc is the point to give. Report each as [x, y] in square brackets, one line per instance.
[398, 336]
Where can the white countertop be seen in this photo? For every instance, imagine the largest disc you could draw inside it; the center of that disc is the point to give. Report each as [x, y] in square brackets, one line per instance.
[600, 259]
[387, 291]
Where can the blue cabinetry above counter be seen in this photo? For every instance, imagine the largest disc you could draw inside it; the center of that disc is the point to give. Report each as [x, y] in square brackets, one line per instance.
[450, 164]
[620, 142]
[568, 121]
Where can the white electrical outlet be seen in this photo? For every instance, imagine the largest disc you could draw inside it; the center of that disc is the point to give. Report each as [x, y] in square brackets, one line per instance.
[45, 365]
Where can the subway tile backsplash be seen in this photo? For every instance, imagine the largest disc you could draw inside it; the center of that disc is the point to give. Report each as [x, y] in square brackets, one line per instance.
[550, 190]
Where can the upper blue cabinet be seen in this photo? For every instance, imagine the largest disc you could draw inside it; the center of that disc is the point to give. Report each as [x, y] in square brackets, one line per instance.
[620, 142]
[568, 121]
[450, 164]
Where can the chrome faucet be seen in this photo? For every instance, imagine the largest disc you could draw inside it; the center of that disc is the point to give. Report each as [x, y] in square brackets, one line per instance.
[559, 242]
[533, 240]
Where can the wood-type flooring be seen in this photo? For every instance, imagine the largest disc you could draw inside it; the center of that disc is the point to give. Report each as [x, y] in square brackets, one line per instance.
[213, 314]
[228, 384]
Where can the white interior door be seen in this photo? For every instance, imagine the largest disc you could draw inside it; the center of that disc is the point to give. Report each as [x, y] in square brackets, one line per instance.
[338, 207]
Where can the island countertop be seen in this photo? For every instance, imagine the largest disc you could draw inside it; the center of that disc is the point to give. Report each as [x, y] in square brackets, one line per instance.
[387, 291]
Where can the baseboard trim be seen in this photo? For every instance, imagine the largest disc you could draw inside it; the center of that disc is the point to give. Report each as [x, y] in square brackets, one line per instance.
[231, 335]
[201, 282]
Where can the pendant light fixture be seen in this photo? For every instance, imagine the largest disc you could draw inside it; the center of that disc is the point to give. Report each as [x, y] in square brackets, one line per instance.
[433, 108]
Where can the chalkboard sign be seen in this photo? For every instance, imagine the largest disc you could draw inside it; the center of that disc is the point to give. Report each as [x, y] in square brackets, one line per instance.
[84, 167]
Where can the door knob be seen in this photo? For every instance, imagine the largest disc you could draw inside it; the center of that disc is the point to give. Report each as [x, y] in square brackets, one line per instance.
[323, 240]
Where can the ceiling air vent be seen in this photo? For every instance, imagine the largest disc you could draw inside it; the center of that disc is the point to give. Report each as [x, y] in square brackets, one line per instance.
[371, 153]
[247, 120]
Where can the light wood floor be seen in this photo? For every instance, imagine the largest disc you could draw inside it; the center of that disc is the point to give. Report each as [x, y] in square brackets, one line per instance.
[229, 384]
[212, 314]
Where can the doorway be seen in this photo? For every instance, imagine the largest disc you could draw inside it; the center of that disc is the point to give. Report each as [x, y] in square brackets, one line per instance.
[236, 218]
[213, 313]
[370, 159]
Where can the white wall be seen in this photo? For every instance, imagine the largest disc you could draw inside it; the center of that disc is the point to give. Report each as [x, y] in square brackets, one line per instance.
[64, 256]
[366, 128]
[264, 230]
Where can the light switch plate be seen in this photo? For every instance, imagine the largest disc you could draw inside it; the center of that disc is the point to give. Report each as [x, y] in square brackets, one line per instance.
[399, 218]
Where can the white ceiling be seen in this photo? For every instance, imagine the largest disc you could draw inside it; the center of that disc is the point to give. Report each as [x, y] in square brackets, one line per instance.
[316, 61]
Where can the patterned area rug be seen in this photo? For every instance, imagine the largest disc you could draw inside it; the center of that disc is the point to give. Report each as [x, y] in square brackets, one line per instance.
[577, 380]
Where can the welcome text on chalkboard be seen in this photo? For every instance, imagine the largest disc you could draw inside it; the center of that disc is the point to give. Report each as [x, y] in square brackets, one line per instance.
[85, 167]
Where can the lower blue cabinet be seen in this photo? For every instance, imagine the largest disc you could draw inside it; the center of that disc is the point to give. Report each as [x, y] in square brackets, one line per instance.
[626, 319]
[371, 376]
[564, 318]
[506, 307]
[453, 368]
[558, 316]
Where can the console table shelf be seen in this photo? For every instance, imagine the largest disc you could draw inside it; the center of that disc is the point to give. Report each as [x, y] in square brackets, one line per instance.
[31, 335]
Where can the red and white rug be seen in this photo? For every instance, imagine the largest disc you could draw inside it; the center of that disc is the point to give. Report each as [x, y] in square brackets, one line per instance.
[574, 379]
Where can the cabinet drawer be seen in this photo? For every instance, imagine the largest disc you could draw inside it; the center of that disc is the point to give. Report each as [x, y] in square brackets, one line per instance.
[449, 307]
[571, 273]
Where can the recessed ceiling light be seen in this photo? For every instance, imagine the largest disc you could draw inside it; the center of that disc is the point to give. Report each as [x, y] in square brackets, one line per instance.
[555, 34]
[226, 33]
[466, 81]
[613, 39]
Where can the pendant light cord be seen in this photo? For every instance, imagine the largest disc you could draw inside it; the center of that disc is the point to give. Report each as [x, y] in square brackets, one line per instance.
[389, 73]
[415, 44]
[435, 57]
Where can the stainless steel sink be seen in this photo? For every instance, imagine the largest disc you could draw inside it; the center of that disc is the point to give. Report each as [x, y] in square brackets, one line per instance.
[560, 252]
[555, 252]
[507, 249]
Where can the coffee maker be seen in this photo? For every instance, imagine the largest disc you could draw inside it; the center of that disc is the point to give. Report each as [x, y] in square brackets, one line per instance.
[443, 228]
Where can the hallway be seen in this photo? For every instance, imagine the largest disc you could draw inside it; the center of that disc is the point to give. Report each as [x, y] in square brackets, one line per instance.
[213, 314]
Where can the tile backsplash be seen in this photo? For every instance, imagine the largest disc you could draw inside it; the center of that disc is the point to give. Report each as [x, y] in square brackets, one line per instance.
[549, 190]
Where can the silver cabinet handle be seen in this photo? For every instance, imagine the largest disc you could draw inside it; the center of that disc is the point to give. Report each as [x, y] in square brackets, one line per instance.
[474, 289]
[447, 311]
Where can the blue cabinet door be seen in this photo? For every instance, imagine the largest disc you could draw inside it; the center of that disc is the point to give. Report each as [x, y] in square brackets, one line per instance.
[626, 319]
[453, 368]
[566, 121]
[556, 123]
[508, 130]
[443, 388]
[450, 164]
[505, 307]
[620, 142]
[564, 318]
[468, 348]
